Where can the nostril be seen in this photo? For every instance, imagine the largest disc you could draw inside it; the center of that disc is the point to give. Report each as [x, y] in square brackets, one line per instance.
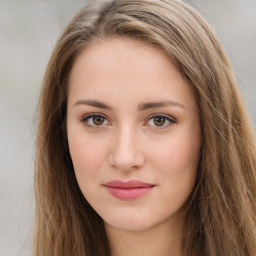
[126, 154]
[125, 160]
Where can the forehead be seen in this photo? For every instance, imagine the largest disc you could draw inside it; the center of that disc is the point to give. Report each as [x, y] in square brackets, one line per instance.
[120, 65]
[131, 53]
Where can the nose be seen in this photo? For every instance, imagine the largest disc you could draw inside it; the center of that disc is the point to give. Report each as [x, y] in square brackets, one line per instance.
[126, 153]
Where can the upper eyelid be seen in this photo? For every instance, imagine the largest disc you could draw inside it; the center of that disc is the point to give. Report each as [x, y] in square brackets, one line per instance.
[162, 115]
[91, 115]
[168, 117]
[84, 119]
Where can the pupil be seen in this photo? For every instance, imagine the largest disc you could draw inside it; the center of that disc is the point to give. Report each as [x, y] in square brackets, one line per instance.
[159, 121]
[98, 120]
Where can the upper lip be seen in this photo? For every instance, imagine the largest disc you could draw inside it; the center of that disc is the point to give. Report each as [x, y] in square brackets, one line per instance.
[128, 184]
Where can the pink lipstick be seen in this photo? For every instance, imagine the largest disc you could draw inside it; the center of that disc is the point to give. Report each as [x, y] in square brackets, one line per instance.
[128, 190]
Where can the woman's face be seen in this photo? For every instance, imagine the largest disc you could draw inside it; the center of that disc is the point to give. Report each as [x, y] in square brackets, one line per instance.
[134, 133]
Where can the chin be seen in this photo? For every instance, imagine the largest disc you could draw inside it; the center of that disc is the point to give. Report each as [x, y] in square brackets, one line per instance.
[138, 220]
[130, 222]
[130, 225]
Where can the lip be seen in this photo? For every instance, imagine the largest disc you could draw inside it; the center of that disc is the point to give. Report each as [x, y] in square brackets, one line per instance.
[127, 190]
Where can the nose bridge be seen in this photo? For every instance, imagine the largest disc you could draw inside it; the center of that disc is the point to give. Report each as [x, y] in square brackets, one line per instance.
[126, 154]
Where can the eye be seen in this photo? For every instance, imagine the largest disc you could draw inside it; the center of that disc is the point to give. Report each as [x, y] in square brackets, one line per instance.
[160, 120]
[94, 120]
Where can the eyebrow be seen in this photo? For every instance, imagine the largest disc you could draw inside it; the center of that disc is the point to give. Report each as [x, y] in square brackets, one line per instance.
[93, 103]
[141, 107]
[169, 103]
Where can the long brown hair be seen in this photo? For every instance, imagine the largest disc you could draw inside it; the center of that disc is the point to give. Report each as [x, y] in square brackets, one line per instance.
[221, 215]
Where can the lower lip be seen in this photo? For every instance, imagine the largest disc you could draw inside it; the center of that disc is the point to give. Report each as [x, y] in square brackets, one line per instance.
[128, 193]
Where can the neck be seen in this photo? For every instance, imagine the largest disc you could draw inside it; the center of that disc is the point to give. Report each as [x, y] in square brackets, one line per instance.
[164, 240]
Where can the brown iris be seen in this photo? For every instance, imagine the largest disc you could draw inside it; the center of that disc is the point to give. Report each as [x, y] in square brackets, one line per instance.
[98, 120]
[159, 121]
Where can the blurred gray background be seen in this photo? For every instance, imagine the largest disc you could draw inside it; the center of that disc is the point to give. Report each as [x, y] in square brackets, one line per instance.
[28, 32]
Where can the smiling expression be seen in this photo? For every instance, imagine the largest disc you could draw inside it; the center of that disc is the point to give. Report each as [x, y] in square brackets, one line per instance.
[134, 133]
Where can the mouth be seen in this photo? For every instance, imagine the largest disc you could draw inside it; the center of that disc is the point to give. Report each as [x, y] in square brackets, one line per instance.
[128, 190]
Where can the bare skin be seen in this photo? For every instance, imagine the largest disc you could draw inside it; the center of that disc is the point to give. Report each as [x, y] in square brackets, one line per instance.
[132, 117]
[149, 242]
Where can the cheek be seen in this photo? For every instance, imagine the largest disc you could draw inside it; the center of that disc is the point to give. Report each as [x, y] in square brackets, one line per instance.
[81, 153]
[87, 155]
[177, 153]
[87, 160]
[176, 160]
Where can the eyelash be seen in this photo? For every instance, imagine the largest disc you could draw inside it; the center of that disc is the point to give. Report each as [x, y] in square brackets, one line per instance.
[85, 119]
[165, 117]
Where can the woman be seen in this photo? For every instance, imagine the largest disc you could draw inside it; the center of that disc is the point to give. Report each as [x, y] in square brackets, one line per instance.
[144, 146]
